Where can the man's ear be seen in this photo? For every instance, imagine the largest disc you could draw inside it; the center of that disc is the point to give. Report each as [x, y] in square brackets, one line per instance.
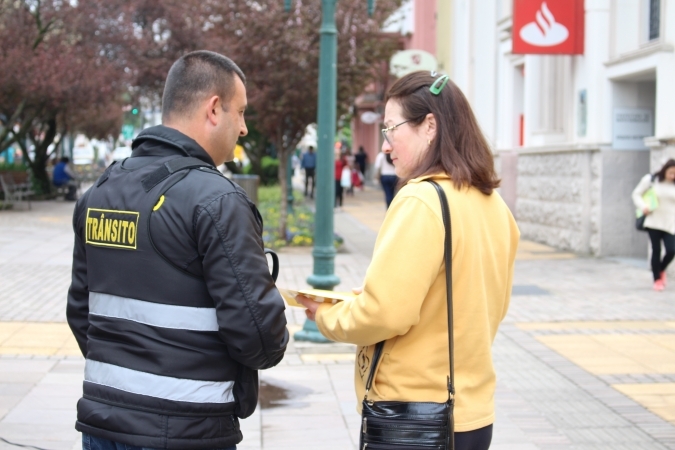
[431, 126]
[213, 109]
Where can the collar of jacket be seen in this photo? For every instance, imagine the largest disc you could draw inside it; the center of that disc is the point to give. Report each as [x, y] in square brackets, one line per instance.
[174, 142]
[433, 176]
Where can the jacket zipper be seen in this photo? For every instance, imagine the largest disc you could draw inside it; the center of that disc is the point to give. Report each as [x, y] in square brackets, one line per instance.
[388, 423]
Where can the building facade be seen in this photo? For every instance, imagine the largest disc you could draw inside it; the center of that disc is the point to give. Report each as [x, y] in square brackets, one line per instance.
[572, 135]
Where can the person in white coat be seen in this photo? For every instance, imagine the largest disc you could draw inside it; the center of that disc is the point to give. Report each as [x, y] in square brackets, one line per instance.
[660, 222]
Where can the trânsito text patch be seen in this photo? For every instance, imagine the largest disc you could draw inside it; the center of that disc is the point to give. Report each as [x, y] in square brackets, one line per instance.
[110, 228]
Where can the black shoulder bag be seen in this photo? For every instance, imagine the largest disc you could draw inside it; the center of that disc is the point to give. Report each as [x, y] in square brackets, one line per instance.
[414, 425]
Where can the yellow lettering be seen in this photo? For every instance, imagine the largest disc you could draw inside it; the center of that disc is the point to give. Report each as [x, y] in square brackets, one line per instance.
[101, 223]
[125, 224]
[132, 233]
[88, 226]
[108, 225]
[113, 233]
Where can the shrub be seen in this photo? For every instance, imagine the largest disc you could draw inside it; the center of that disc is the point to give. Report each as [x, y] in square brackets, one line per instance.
[15, 167]
[270, 170]
[300, 224]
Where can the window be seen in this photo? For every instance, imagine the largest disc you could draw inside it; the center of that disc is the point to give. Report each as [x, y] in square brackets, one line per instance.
[654, 19]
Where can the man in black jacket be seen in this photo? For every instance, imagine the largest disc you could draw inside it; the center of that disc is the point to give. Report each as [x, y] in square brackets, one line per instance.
[171, 301]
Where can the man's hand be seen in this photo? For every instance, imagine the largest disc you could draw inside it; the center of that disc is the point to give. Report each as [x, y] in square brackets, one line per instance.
[310, 304]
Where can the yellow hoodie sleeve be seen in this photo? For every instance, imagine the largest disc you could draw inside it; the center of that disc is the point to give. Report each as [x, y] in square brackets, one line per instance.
[407, 259]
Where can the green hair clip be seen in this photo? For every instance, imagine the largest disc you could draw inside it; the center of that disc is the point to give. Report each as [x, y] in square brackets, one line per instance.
[439, 84]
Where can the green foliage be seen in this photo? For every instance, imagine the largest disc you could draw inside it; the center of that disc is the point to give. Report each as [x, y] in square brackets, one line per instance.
[15, 167]
[300, 224]
[300, 231]
[269, 171]
[344, 132]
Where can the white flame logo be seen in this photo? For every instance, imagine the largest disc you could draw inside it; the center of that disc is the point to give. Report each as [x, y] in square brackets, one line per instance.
[544, 31]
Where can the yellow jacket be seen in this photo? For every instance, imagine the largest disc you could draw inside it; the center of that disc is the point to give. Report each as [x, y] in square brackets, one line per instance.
[404, 300]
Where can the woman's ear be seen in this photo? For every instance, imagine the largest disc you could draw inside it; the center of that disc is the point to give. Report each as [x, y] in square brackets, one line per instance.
[430, 127]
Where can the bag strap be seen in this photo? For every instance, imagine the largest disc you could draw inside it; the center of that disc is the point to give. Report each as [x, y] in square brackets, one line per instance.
[170, 167]
[445, 211]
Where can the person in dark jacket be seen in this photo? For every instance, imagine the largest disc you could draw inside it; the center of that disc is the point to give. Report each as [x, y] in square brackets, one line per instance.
[308, 163]
[171, 302]
[64, 176]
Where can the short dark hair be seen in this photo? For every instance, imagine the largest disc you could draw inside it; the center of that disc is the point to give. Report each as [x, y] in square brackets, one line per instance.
[459, 148]
[196, 76]
[65, 159]
[661, 174]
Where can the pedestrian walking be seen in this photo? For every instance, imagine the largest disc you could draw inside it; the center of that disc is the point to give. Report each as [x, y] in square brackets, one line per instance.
[432, 136]
[361, 158]
[386, 173]
[308, 164]
[340, 163]
[346, 179]
[171, 302]
[659, 222]
[357, 178]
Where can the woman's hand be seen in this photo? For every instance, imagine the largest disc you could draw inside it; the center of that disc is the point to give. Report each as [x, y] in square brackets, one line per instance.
[357, 291]
[310, 304]
[646, 211]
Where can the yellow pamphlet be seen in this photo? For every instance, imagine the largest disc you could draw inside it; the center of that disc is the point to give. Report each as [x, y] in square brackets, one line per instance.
[318, 295]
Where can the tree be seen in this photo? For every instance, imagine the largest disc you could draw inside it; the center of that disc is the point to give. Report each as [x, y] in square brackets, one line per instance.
[279, 53]
[53, 80]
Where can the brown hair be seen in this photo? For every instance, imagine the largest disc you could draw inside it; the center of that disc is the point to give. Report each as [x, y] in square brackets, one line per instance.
[661, 174]
[459, 148]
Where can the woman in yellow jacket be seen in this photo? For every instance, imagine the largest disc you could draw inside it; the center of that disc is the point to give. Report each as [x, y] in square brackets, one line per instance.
[403, 300]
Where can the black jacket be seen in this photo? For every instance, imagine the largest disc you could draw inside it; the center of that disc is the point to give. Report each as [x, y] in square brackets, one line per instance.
[171, 301]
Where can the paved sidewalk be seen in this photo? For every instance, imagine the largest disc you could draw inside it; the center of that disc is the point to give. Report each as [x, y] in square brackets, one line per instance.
[585, 358]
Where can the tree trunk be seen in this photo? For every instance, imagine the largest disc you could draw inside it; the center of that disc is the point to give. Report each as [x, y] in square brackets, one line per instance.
[282, 155]
[41, 178]
[38, 165]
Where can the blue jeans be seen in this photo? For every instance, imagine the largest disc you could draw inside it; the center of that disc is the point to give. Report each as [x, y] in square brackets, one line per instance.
[96, 443]
[389, 186]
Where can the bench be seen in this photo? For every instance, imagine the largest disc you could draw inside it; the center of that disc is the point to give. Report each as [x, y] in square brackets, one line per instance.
[15, 192]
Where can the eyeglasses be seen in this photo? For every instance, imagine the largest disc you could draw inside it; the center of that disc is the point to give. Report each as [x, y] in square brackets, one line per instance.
[392, 128]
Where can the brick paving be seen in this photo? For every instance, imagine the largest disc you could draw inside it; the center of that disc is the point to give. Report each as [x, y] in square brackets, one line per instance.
[543, 400]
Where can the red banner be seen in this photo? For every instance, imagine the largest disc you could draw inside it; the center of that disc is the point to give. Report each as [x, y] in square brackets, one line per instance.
[548, 27]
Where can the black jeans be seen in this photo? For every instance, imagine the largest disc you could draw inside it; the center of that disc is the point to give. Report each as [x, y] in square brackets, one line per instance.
[309, 173]
[659, 265]
[479, 439]
[338, 193]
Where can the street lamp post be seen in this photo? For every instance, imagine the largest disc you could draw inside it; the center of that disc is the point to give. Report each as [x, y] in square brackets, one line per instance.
[324, 276]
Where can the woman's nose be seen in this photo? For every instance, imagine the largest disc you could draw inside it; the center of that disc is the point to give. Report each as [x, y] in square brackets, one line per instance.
[386, 146]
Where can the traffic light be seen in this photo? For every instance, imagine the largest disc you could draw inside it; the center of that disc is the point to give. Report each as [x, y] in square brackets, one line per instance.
[134, 111]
